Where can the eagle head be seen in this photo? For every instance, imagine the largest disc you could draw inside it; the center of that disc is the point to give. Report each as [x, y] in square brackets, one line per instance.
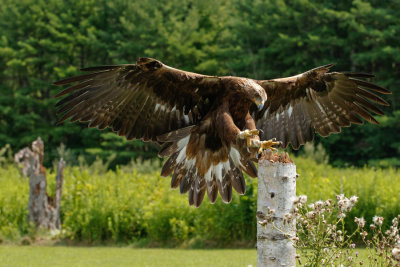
[255, 93]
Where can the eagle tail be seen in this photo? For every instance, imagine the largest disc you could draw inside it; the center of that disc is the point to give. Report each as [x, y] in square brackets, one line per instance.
[205, 171]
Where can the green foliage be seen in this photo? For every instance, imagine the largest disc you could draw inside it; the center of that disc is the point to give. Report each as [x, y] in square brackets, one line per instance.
[13, 203]
[132, 206]
[43, 41]
[378, 190]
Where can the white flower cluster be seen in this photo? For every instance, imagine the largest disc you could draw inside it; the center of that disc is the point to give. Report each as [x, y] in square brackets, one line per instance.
[267, 217]
[360, 222]
[377, 220]
[345, 204]
[300, 201]
[396, 253]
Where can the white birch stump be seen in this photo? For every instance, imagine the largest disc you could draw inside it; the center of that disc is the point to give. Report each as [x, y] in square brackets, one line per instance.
[276, 191]
[44, 211]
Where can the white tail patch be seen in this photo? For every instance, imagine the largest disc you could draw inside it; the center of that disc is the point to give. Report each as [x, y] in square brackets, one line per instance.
[235, 156]
[221, 177]
[217, 171]
[208, 175]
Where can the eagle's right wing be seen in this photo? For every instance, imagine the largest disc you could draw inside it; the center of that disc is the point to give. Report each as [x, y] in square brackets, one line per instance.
[317, 99]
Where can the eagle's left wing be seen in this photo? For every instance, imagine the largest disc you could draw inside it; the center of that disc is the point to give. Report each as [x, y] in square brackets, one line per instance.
[141, 100]
[317, 99]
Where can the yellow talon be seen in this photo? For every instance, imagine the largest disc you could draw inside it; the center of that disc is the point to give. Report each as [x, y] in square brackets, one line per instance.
[268, 145]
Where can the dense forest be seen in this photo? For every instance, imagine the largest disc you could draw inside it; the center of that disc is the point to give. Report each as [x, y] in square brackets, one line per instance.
[44, 41]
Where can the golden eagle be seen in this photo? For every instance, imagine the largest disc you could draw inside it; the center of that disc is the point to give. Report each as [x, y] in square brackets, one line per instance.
[207, 125]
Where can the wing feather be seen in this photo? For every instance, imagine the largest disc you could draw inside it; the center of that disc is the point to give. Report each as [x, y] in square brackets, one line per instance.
[139, 100]
[317, 100]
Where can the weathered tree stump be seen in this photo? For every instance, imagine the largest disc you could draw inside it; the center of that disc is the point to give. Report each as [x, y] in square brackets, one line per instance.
[44, 211]
[276, 194]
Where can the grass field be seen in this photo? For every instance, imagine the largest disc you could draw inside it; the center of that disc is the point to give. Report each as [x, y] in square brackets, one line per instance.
[125, 256]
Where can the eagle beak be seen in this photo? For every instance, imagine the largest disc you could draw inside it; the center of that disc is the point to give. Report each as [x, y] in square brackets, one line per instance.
[259, 102]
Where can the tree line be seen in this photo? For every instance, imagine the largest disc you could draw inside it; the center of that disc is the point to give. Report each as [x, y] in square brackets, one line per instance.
[44, 41]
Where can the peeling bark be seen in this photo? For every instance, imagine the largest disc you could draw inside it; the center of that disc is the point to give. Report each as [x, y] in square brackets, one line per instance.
[276, 191]
[44, 211]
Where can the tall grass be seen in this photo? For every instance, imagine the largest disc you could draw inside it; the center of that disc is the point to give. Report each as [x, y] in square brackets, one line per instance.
[135, 205]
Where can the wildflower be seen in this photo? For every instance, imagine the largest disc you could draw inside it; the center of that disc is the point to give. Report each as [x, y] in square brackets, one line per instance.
[287, 217]
[341, 215]
[363, 234]
[319, 204]
[377, 220]
[310, 214]
[328, 202]
[339, 197]
[352, 245]
[396, 253]
[344, 204]
[360, 222]
[303, 199]
[271, 211]
[300, 200]
[372, 226]
[354, 199]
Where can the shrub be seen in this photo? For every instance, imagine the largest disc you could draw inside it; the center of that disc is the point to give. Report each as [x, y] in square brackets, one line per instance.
[128, 205]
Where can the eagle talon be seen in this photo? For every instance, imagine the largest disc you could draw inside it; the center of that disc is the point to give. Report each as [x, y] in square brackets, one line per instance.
[269, 145]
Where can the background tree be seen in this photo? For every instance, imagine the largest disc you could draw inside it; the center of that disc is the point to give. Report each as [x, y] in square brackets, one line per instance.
[43, 41]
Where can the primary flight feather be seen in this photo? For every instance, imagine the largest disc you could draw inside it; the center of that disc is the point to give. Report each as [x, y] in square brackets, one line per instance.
[207, 125]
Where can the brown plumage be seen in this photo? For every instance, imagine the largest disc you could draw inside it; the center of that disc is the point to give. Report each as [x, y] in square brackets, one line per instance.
[199, 120]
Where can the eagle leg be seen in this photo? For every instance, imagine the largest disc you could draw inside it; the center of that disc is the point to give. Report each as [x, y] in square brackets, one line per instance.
[249, 135]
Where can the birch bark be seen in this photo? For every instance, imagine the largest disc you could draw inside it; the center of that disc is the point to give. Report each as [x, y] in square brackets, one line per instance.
[276, 191]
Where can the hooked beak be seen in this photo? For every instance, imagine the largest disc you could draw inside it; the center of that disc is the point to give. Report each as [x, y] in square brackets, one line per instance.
[259, 102]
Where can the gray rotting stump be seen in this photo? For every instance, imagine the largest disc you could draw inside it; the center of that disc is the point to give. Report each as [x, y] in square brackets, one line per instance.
[44, 211]
[276, 194]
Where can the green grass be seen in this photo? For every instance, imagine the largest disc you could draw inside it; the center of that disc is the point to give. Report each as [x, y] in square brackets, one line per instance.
[114, 256]
[124, 256]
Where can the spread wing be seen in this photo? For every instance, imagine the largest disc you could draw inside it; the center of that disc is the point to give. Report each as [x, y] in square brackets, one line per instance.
[141, 100]
[317, 100]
